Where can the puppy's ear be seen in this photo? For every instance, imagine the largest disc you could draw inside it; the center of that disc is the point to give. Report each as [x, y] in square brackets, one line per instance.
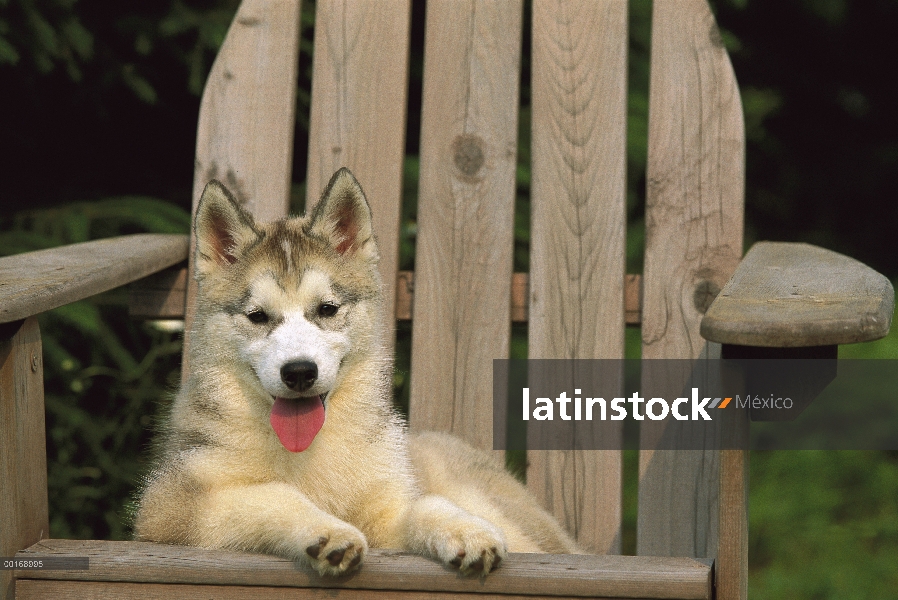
[343, 218]
[223, 229]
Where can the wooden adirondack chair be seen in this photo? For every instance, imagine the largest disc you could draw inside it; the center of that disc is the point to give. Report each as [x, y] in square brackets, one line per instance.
[692, 537]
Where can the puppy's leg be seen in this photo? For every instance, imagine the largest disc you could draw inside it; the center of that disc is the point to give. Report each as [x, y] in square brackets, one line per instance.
[276, 518]
[436, 527]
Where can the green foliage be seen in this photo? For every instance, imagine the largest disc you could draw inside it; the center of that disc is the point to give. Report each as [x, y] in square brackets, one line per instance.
[48, 32]
[105, 375]
[205, 27]
[53, 34]
[823, 525]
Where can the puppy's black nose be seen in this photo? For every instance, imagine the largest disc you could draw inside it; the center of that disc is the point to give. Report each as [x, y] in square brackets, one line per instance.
[300, 375]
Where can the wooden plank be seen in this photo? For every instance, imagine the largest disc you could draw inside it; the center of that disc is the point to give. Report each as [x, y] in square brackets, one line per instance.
[695, 177]
[159, 296]
[23, 446]
[794, 295]
[359, 90]
[694, 212]
[162, 296]
[731, 576]
[577, 237]
[245, 131]
[731, 570]
[103, 590]
[520, 309]
[465, 214]
[522, 574]
[633, 299]
[35, 282]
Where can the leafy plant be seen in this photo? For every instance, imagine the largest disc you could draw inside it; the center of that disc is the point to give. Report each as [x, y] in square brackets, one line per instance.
[105, 375]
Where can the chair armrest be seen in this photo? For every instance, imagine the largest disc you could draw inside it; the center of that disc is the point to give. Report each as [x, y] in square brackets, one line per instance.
[35, 282]
[787, 295]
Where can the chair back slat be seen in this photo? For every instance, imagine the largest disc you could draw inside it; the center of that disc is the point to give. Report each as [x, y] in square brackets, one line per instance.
[358, 112]
[245, 131]
[577, 253]
[694, 212]
[463, 267]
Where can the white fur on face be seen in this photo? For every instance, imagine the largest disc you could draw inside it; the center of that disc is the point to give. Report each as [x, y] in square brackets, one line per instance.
[295, 338]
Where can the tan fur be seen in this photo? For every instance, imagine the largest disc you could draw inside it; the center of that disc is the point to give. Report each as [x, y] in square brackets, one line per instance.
[222, 478]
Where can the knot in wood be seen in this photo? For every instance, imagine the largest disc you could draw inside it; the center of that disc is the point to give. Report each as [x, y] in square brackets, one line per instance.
[704, 295]
[468, 154]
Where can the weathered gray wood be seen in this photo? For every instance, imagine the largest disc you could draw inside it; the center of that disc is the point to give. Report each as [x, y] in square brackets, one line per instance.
[793, 295]
[245, 132]
[161, 296]
[731, 567]
[23, 446]
[694, 214]
[577, 237]
[525, 574]
[731, 576]
[359, 94]
[35, 282]
[694, 204]
[465, 214]
[103, 590]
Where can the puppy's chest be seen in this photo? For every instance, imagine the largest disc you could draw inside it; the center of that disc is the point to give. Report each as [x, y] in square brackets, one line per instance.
[329, 487]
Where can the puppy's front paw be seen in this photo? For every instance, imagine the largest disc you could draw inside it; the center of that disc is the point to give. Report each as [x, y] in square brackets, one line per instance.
[336, 550]
[474, 547]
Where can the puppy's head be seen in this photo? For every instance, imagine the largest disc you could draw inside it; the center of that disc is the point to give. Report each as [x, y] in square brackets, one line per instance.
[293, 300]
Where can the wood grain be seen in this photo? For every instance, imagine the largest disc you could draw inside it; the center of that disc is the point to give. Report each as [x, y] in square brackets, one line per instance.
[358, 113]
[731, 576]
[522, 574]
[694, 213]
[162, 296]
[245, 131]
[35, 282]
[103, 590]
[793, 295]
[23, 447]
[159, 296]
[520, 297]
[695, 197]
[577, 237]
[465, 214]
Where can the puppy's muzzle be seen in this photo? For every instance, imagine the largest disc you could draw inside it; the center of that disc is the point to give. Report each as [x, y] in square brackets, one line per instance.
[299, 375]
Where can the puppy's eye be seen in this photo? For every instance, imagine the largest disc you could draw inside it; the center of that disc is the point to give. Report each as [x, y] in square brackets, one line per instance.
[257, 316]
[327, 309]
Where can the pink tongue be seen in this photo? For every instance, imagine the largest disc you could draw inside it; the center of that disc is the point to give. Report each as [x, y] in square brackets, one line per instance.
[297, 422]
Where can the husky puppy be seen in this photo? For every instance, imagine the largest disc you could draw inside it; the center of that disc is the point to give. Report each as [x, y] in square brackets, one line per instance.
[283, 438]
